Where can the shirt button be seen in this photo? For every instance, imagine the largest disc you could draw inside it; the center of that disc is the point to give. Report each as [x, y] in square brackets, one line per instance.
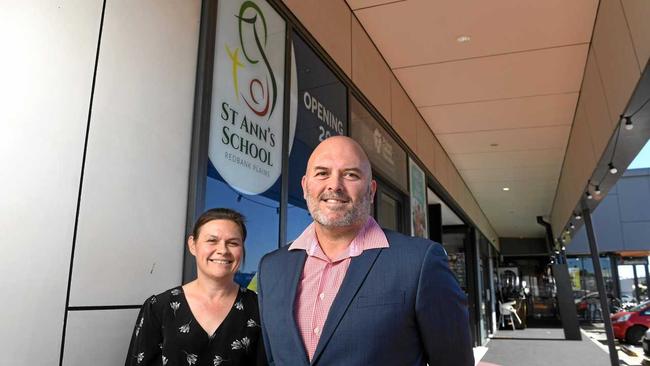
[322, 296]
[316, 330]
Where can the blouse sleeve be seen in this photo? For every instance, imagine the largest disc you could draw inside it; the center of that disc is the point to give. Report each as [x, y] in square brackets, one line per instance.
[145, 346]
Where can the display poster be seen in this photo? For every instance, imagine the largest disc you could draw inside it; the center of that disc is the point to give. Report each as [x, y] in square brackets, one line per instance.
[385, 154]
[246, 118]
[419, 221]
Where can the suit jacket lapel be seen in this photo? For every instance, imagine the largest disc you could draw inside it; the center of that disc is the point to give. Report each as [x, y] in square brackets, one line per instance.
[295, 265]
[356, 274]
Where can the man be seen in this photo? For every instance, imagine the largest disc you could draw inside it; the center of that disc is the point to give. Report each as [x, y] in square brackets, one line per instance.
[345, 292]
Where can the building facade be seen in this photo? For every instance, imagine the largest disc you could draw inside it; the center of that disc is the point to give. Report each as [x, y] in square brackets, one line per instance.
[123, 120]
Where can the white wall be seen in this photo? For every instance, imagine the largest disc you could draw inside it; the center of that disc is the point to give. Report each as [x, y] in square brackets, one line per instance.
[46, 68]
[134, 194]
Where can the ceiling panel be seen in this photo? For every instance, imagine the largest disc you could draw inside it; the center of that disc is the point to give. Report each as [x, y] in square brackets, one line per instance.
[537, 111]
[508, 159]
[543, 72]
[359, 4]
[506, 140]
[511, 173]
[495, 27]
[503, 103]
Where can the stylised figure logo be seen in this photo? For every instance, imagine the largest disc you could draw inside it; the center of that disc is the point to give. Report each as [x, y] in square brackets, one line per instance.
[259, 96]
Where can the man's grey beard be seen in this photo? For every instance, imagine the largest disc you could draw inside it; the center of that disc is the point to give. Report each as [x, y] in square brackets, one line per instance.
[358, 213]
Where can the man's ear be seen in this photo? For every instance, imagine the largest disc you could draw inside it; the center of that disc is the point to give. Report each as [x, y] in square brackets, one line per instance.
[191, 245]
[303, 184]
[373, 190]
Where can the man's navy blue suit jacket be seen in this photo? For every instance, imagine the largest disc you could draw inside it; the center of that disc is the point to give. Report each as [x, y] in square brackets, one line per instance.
[399, 305]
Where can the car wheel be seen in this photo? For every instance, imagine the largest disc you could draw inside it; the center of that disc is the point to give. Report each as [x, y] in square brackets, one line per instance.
[634, 334]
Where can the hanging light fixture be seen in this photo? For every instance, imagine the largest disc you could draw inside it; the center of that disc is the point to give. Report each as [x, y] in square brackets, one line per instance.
[628, 122]
[597, 191]
[589, 196]
[612, 168]
[577, 216]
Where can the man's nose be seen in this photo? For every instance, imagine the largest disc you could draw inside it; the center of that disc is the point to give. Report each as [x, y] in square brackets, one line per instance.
[335, 183]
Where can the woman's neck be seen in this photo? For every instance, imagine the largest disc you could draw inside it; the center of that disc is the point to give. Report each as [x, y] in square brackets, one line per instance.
[212, 288]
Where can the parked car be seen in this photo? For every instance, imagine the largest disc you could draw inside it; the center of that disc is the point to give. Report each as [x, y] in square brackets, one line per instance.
[588, 306]
[628, 302]
[646, 343]
[631, 325]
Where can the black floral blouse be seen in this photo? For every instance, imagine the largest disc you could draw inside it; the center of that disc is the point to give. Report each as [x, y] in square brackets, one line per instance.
[166, 333]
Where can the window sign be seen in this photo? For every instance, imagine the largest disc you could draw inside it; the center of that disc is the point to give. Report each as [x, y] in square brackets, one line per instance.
[386, 156]
[322, 112]
[419, 221]
[246, 122]
[247, 98]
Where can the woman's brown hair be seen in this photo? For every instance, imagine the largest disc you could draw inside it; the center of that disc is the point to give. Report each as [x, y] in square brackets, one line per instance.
[220, 214]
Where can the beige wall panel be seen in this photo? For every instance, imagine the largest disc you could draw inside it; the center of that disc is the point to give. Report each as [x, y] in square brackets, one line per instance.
[369, 71]
[637, 13]
[570, 171]
[456, 184]
[595, 106]
[615, 56]
[585, 157]
[452, 181]
[468, 202]
[403, 114]
[461, 196]
[441, 164]
[579, 164]
[330, 23]
[555, 219]
[472, 210]
[561, 204]
[560, 200]
[425, 140]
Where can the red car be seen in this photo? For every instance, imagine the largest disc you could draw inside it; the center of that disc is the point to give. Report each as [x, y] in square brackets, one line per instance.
[632, 324]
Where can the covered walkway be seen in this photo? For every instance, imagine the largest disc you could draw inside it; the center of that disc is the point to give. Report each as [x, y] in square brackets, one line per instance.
[541, 346]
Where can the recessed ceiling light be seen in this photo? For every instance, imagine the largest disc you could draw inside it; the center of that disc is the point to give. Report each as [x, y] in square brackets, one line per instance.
[463, 39]
[506, 189]
[494, 145]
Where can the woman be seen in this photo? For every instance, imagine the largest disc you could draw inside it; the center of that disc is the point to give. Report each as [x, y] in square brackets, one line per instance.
[211, 320]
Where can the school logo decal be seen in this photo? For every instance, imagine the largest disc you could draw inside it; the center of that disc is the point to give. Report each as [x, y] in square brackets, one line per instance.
[247, 109]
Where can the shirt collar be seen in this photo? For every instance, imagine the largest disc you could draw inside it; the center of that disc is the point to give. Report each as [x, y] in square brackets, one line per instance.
[371, 236]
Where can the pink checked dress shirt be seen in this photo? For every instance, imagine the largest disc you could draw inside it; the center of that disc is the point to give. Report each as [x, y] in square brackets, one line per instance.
[322, 277]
